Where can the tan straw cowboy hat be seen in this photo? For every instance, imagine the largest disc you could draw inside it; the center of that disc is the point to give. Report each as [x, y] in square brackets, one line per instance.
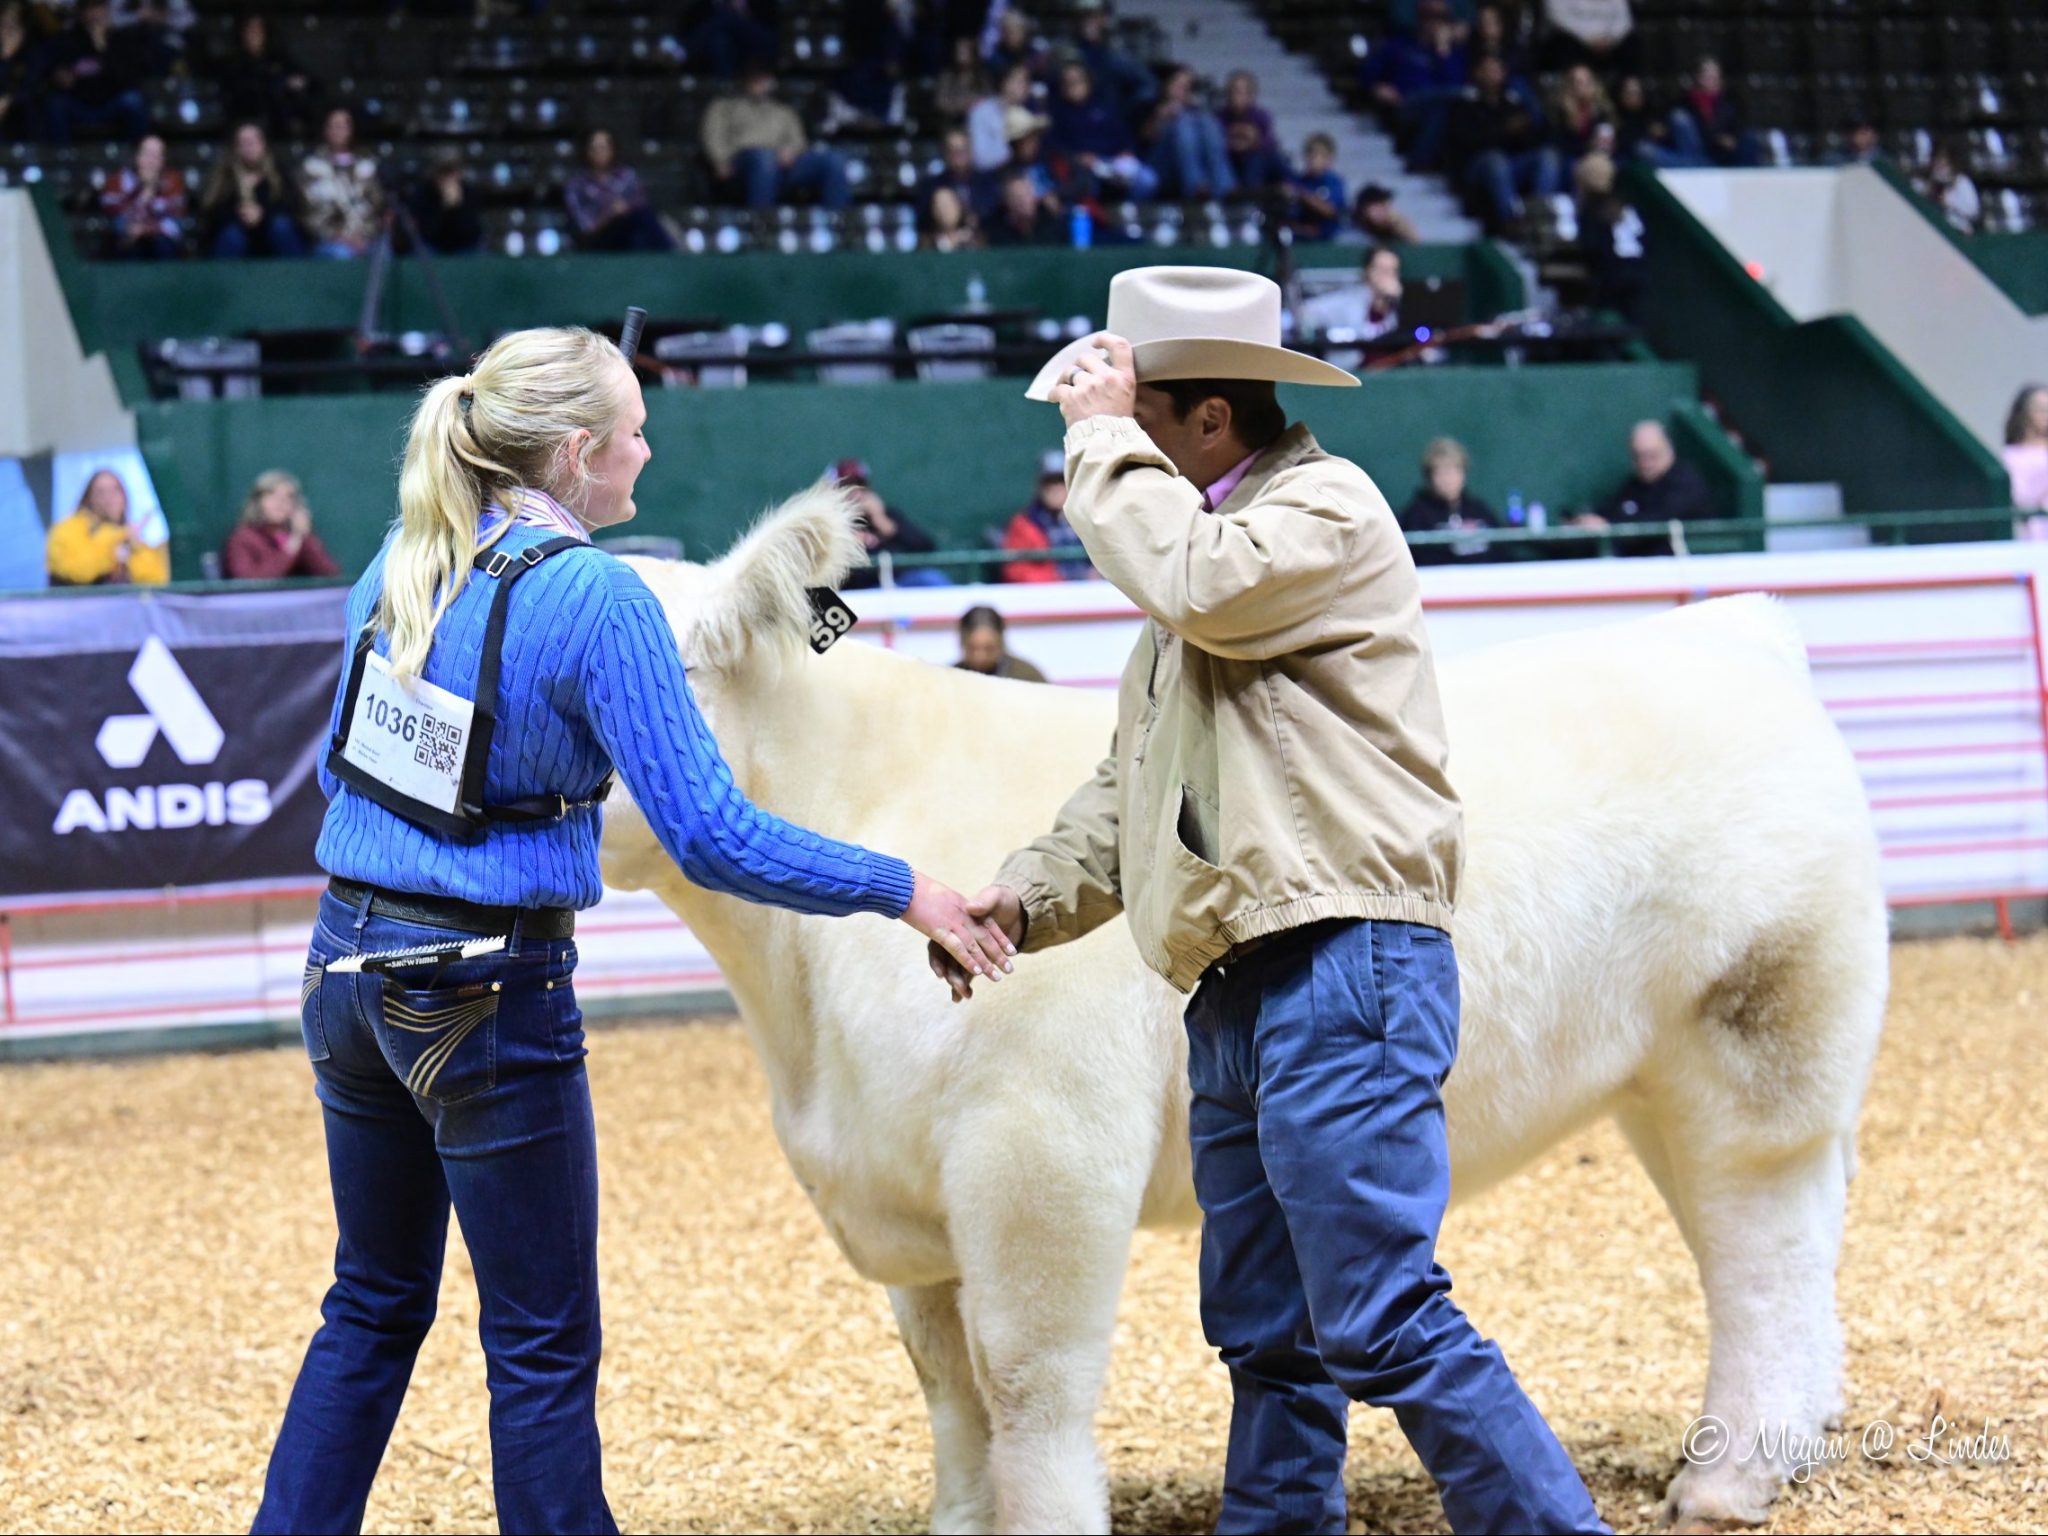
[1196, 323]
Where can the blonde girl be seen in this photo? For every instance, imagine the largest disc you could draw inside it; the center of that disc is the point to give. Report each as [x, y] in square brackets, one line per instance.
[471, 753]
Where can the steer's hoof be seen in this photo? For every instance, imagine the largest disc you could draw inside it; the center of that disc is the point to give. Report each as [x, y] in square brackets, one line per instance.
[1706, 1498]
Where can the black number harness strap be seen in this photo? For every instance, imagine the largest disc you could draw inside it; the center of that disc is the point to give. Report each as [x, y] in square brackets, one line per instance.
[505, 567]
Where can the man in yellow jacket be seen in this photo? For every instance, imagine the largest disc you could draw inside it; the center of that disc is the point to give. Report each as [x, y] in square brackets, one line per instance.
[1276, 820]
[96, 545]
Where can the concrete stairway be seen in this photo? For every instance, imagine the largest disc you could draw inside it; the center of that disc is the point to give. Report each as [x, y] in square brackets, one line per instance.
[1215, 37]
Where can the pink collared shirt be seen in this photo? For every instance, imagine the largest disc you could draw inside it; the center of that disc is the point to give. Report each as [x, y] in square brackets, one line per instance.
[1219, 493]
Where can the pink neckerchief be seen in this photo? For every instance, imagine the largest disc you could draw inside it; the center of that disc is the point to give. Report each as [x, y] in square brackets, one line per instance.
[536, 509]
[1219, 493]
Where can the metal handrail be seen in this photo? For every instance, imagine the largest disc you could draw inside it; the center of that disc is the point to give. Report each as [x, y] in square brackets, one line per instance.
[1521, 540]
[1526, 541]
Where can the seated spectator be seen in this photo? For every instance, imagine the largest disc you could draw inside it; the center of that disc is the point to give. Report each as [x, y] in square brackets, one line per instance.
[1497, 148]
[989, 118]
[1015, 44]
[1043, 527]
[97, 545]
[608, 205]
[1375, 217]
[1865, 146]
[1415, 76]
[869, 95]
[155, 32]
[1611, 235]
[1491, 34]
[1361, 311]
[260, 85]
[1026, 130]
[1120, 80]
[1188, 152]
[1442, 503]
[728, 32]
[1664, 489]
[344, 201]
[1023, 217]
[443, 207]
[1599, 33]
[147, 202]
[2026, 453]
[756, 145]
[950, 224]
[1707, 128]
[1340, 318]
[1093, 138]
[1952, 190]
[1255, 157]
[19, 76]
[1641, 132]
[94, 79]
[956, 172]
[884, 530]
[1316, 211]
[984, 649]
[962, 83]
[247, 207]
[274, 538]
[1579, 110]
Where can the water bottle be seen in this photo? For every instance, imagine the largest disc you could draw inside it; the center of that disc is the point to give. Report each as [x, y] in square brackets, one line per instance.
[977, 291]
[1083, 226]
[1538, 518]
[1516, 516]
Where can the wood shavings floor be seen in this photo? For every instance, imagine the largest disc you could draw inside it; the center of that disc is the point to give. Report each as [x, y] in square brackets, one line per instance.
[165, 1232]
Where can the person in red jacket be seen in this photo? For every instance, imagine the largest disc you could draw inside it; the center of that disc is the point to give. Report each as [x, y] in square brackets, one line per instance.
[1043, 526]
[275, 537]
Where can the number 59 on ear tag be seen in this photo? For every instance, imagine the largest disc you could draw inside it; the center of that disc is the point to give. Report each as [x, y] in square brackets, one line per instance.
[831, 619]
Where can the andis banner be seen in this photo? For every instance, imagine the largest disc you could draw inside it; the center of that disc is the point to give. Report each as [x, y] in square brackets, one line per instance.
[151, 740]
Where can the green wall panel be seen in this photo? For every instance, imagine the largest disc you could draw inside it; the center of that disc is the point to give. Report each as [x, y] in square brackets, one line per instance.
[957, 457]
[118, 304]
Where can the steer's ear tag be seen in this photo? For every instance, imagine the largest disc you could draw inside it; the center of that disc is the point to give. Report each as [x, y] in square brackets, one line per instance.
[831, 619]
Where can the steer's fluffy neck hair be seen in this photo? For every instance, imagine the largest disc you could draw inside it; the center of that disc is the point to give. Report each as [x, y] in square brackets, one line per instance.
[757, 606]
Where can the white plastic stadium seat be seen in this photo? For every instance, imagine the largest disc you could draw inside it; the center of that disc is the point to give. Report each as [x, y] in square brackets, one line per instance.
[718, 358]
[953, 351]
[855, 336]
[208, 353]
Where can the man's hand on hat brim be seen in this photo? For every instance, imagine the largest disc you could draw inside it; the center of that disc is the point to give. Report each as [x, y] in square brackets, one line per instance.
[1100, 385]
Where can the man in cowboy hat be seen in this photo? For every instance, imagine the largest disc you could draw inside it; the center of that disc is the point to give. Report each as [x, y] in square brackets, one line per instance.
[1276, 820]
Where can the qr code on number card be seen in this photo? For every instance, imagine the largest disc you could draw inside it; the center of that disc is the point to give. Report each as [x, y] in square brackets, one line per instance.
[438, 747]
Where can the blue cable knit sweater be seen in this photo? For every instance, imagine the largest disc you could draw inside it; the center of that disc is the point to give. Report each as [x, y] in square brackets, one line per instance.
[591, 678]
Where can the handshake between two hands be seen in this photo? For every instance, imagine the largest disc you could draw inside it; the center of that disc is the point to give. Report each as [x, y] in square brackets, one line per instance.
[969, 938]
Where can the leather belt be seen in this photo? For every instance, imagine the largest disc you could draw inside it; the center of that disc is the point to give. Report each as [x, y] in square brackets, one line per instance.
[1240, 952]
[461, 916]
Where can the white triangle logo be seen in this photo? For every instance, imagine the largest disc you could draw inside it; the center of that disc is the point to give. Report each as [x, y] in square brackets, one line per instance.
[175, 708]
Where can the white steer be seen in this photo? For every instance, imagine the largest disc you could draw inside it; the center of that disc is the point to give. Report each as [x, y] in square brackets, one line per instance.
[1671, 915]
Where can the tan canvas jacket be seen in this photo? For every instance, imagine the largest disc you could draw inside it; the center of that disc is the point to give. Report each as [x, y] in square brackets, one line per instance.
[1279, 755]
[734, 123]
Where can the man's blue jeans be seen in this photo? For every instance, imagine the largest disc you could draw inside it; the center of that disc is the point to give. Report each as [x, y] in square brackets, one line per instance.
[279, 236]
[462, 1082]
[1190, 160]
[1317, 1066]
[1501, 178]
[1426, 118]
[763, 180]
